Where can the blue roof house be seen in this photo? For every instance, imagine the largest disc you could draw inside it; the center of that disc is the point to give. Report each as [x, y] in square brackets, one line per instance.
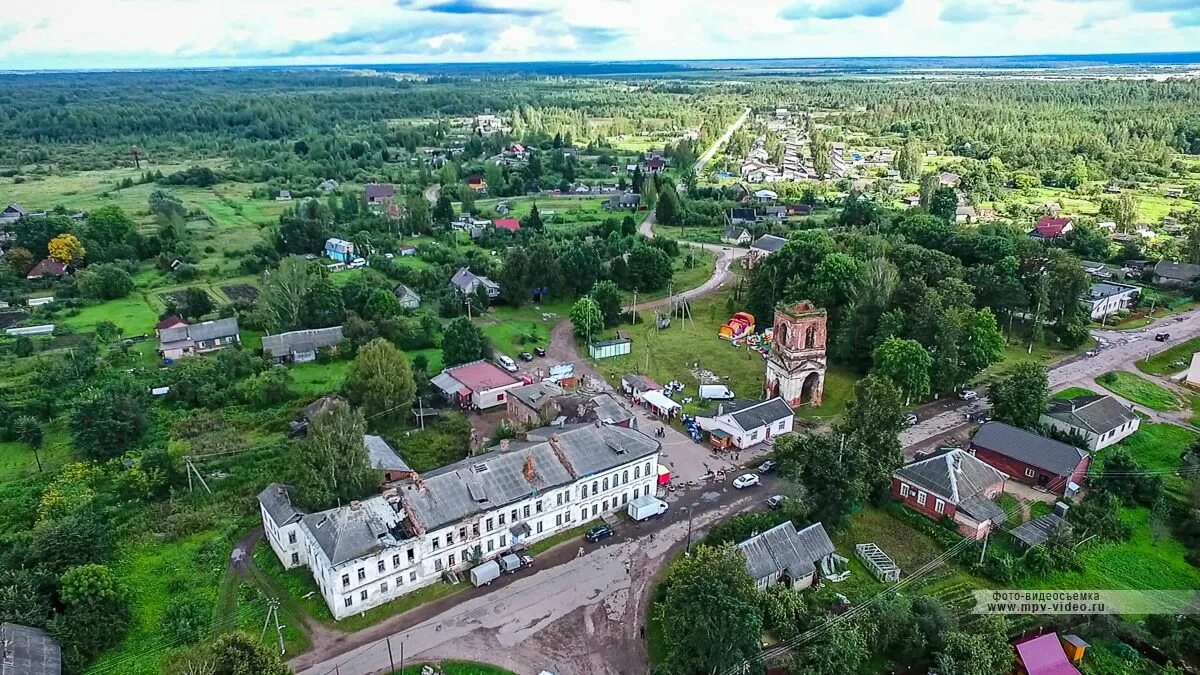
[339, 250]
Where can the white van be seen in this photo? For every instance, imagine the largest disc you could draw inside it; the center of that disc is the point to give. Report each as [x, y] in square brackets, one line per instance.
[507, 363]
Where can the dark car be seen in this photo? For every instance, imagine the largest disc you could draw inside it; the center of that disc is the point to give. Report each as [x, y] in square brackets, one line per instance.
[767, 466]
[1162, 337]
[526, 356]
[540, 351]
[599, 532]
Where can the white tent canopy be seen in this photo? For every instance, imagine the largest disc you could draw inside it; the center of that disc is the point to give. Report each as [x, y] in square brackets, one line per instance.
[659, 401]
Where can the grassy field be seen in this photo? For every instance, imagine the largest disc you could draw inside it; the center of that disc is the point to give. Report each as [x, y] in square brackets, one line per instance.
[17, 459]
[558, 213]
[1139, 390]
[1073, 392]
[1157, 447]
[155, 574]
[1172, 360]
[684, 349]
[133, 315]
[1141, 563]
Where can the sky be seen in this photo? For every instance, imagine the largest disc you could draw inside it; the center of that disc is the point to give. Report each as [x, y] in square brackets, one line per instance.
[81, 34]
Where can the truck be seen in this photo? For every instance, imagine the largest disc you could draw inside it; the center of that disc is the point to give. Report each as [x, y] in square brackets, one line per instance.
[646, 506]
[512, 562]
[482, 575]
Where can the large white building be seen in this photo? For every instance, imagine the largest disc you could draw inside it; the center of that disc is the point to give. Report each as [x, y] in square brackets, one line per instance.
[411, 535]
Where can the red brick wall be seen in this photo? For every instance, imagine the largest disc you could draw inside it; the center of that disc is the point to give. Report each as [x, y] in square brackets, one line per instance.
[930, 502]
[1016, 469]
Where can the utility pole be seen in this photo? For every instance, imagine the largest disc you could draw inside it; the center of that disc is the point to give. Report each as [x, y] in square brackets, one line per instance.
[984, 549]
[390, 661]
[273, 613]
[633, 309]
[421, 413]
[688, 550]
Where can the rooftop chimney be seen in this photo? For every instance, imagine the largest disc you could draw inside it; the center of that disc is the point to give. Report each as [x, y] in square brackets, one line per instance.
[530, 470]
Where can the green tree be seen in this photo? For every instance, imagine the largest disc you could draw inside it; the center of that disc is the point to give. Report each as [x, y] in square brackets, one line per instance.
[443, 210]
[587, 317]
[1123, 211]
[233, 653]
[983, 651]
[516, 278]
[380, 381]
[666, 210]
[943, 204]
[908, 162]
[194, 302]
[841, 651]
[299, 294]
[710, 615]
[332, 462]
[1021, 397]
[534, 220]
[906, 363]
[108, 420]
[29, 431]
[871, 426]
[104, 281]
[608, 297]
[648, 269]
[96, 612]
[463, 342]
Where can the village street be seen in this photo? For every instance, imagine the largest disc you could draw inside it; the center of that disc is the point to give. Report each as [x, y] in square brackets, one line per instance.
[1120, 350]
[583, 616]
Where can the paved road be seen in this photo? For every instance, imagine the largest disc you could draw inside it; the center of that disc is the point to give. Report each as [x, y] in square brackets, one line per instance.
[580, 617]
[1117, 349]
[712, 150]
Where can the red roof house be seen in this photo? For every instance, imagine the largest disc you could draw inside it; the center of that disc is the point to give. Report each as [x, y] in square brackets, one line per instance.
[510, 224]
[173, 321]
[48, 267]
[476, 182]
[479, 384]
[1031, 459]
[1049, 227]
[1043, 655]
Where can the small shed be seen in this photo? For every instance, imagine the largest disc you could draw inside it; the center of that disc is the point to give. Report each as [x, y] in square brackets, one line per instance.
[878, 563]
[603, 349]
[660, 404]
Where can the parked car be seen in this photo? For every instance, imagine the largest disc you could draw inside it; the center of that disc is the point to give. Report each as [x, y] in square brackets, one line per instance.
[776, 501]
[968, 395]
[910, 419]
[507, 363]
[512, 562]
[599, 532]
[540, 351]
[1162, 337]
[768, 466]
[745, 480]
[526, 356]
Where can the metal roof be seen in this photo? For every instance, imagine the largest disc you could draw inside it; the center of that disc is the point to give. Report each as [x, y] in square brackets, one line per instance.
[351, 532]
[609, 410]
[207, 330]
[763, 414]
[537, 395]
[28, 651]
[1179, 271]
[956, 475]
[1039, 529]
[276, 498]
[769, 243]
[446, 383]
[510, 473]
[383, 456]
[1097, 414]
[480, 375]
[782, 548]
[283, 344]
[1029, 448]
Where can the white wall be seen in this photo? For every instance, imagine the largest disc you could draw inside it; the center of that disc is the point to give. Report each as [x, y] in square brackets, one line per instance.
[745, 438]
[490, 398]
[561, 509]
[1096, 441]
[285, 540]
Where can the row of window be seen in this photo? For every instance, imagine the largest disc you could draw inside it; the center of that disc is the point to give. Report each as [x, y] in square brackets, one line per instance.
[779, 427]
[380, 567]
[939, 505]
[348, 600]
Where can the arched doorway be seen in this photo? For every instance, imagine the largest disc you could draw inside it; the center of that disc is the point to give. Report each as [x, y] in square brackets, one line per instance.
[810, 390]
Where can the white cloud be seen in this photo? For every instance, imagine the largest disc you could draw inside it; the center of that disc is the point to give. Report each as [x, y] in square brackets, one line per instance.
[135, 33]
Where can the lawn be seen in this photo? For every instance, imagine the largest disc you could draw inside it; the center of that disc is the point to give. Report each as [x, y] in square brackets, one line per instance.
[1016, 351]
[1157, 447]
[688, 347]
[156, 573]
[1140, 563]
[1139, 390]
[560, 538]
[17, 460]
[1073, 392]
[316, 379]
[1170, 361]
[457, 668]
[132, 314]
[302, 591]
[560, 214]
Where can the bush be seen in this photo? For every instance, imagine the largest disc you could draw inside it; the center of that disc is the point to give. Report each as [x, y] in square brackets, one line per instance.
[186, 620]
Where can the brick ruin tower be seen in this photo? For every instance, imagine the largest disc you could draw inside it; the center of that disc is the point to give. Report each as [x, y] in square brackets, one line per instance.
[796, 364]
